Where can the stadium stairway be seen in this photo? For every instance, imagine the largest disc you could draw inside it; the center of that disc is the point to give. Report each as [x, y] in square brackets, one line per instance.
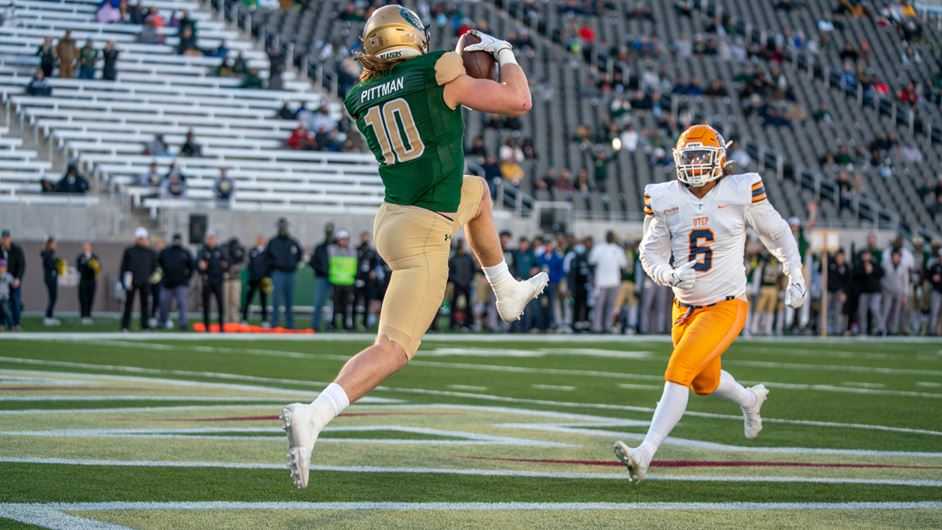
[103, 125]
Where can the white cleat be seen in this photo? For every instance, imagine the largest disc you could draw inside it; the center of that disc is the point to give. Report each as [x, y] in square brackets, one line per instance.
[752, 421]
[298, 420]
[637, 468]
[512, 301]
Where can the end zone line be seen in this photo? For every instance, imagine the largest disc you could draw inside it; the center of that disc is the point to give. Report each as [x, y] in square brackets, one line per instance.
[925, 483]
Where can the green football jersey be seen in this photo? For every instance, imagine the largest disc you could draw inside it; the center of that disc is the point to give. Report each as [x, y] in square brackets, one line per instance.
[416, 138]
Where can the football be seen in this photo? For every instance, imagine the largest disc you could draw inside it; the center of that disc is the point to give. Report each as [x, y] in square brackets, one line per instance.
[480, 65]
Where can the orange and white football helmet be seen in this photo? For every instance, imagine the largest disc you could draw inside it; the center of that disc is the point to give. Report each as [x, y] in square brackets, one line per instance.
[700, 155]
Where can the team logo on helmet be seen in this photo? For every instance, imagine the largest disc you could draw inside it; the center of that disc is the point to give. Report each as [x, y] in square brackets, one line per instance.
[411, 18]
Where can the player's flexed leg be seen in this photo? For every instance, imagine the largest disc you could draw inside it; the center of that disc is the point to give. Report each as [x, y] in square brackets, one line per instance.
[406, 105]
[700, 221]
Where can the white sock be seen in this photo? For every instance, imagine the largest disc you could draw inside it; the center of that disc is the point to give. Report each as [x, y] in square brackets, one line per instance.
[498, 275]
[731, 389]
[329, 404]
[669, 410]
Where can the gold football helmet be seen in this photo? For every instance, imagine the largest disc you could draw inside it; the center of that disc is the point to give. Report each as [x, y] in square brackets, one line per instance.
[394, 32]
[700, 155]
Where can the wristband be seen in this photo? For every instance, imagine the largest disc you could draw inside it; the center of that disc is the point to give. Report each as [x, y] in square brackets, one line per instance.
[506, 56]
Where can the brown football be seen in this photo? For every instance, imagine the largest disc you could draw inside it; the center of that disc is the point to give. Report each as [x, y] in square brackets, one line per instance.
[480, 65]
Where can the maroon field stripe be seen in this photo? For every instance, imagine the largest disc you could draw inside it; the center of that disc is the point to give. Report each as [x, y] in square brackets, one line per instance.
[708, 463]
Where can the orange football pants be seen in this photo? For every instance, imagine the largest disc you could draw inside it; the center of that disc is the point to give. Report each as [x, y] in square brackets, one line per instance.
[700, 340]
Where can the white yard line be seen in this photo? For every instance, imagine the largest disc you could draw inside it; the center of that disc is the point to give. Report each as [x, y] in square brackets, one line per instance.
[464, 471]
[470, 388]
[929, 384]
[557, 388]
[470, 395]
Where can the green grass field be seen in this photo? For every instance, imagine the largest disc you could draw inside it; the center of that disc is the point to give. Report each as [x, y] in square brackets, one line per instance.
[115, 431]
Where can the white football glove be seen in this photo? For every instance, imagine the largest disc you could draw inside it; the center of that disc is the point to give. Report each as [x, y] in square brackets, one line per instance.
[489, 44]
[795, 293]
[684, 276]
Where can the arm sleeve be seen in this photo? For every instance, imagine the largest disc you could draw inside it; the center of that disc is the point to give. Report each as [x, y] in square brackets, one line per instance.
[775, 235]
[655, 250]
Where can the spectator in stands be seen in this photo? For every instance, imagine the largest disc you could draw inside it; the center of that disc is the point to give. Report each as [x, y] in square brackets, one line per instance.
[152, 32]
[301, 138]
[52, 268]
[285, 112]
[908, 95]
[72, 181]
[477, 147]
[88, 266]
[259, 280]
[212, 264]
[320, 264]
[6, 286]
[284, 253]
[67, 54]
[157, 146]
[461, 269]
[187, 44]
[88, 58]
[232, 286]
[190, 148]
[13, 255]
[178, 266]
[38, 86]
[108, 13]
[251, 79]
[491, 169]
[224, 68]
[138, 265]
[582, 181]
[47, 57]
[600, 161]
[342, 269]
[184, 22]
[136, 13]
[241, 65]
[224, 188]
[109, 71]
[277, 57]
[174, 184]
[220, 52]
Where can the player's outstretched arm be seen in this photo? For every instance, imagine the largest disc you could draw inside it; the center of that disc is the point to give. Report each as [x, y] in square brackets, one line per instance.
[779, 240]
[511, 96]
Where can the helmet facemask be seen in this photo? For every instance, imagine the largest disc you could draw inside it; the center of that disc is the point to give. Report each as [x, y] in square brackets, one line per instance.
[697, 164]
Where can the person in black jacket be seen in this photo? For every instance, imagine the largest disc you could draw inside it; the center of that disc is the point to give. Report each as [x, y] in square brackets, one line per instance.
[258, 272]
[72, 181]
[138, 265]
[365, 288]
[213, 265]
[320, 262]
[838, 289]
[177, 265]
[579, 278]
[16, 267]
[232, 287]
[461, 270]
[867, 281]
[88, 266]
[284, 253]
[51, 279]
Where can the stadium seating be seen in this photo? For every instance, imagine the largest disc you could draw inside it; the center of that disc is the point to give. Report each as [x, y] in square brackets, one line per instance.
[104, 125]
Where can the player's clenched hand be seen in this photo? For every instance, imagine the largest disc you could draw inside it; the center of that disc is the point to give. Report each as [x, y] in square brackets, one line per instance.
[683, 277]
[489, 44]
[795, 293]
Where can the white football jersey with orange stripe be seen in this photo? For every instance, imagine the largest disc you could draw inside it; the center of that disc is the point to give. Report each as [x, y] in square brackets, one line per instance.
[712, 231]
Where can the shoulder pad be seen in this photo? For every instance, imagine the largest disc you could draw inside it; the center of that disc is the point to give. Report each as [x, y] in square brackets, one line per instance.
[448, 67]
[657, 196]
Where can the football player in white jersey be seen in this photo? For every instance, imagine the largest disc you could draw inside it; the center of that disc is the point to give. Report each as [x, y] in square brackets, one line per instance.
[700, 221]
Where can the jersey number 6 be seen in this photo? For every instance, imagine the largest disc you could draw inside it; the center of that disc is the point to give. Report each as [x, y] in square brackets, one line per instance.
[700, 240]
[394, 126]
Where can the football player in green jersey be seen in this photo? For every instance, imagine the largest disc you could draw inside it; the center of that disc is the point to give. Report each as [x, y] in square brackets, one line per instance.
[406, 106]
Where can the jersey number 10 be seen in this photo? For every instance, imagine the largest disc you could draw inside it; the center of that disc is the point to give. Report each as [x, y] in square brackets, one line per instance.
[394, 127]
